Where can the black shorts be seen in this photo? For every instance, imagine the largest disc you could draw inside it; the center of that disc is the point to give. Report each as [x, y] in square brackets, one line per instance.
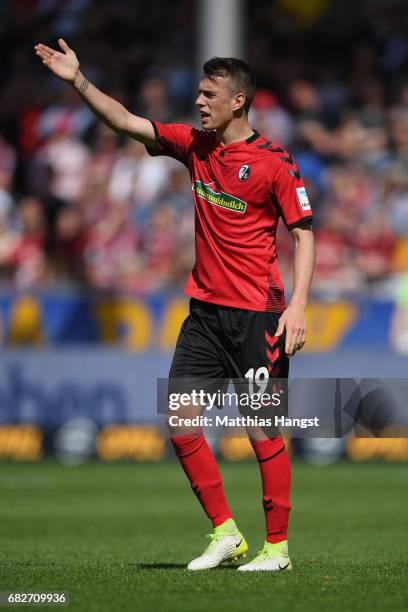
[219, 343]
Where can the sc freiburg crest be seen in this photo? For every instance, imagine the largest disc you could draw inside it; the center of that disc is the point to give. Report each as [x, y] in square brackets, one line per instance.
[244, 172]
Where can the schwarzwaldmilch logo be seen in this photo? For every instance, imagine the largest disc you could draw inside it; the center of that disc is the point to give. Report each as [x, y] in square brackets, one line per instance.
[244, 172]
[212, 193]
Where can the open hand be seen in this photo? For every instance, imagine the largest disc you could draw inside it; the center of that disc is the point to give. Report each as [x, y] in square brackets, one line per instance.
[293, 319]
[64, 65]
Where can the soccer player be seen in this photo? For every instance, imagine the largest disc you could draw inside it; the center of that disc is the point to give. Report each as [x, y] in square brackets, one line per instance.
[242, 184]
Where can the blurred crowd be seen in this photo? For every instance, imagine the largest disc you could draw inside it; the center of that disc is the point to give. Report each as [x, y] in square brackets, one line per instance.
[80, 205]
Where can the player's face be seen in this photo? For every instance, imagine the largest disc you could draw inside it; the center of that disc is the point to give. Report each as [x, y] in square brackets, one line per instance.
[215, 103]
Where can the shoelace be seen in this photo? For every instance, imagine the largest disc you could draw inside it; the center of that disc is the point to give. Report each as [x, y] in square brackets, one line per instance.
[215, 537]
[262, 553]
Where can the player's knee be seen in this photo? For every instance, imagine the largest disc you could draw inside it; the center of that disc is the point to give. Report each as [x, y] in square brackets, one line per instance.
[183, 424]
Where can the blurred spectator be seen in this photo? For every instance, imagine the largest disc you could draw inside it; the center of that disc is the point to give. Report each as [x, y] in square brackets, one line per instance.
[68, 116]
[375, 244]
[153, 101]
[8, 161]
[111, 253]
[159, 244]
[177, 193]
[304, 100]
[67, 249]
[271, 120]
[335, 266]
[8, 244]
[67, 156]
[27, 257]
[104, 152]
[138, 177]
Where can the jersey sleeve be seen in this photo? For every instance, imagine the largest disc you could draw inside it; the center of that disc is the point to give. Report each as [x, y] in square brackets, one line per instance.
[173, 139]
[289, 194]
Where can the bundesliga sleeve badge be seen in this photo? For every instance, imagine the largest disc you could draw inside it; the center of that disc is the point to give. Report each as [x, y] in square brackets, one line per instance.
[303, 199]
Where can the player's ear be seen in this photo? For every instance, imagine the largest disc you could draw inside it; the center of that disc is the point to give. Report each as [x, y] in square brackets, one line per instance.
[238, 102]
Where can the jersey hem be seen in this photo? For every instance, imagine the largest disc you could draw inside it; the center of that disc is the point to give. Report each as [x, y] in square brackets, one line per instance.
[153, 152]
[231, 304]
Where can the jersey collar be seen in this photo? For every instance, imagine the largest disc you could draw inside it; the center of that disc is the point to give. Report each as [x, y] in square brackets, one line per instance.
[248, 141]
[252, 138]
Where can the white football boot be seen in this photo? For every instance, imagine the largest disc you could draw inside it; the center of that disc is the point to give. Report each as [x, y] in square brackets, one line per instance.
[272, 558]
[227, 544]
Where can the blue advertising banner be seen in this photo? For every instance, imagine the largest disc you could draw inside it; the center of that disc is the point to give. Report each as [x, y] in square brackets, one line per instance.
[153, 321]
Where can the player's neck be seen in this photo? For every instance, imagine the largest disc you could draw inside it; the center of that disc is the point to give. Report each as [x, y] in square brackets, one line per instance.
[235, 131]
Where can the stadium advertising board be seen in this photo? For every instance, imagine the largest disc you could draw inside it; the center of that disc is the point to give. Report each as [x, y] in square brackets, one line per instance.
[153, 321]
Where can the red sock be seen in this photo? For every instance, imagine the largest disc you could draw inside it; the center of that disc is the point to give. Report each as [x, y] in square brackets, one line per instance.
[202, 471]
[274, 464]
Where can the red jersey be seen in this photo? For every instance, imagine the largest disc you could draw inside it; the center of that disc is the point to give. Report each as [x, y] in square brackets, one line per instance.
[240, 191]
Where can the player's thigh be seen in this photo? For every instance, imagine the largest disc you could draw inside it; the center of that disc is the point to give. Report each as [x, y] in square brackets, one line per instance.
[265, 368]
[260, 347]
[196, 355]
[196, 370]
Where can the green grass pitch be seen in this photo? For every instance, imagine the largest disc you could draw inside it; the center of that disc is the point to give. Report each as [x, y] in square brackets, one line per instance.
[118, 536]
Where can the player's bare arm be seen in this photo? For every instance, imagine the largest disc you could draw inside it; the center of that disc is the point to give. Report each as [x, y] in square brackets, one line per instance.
[65, 65]
[293, 319]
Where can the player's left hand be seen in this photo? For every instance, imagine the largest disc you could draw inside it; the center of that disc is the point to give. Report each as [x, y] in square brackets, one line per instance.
[293, 320]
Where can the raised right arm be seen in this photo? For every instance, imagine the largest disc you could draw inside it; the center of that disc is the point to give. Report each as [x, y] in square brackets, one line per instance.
[66, 66]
